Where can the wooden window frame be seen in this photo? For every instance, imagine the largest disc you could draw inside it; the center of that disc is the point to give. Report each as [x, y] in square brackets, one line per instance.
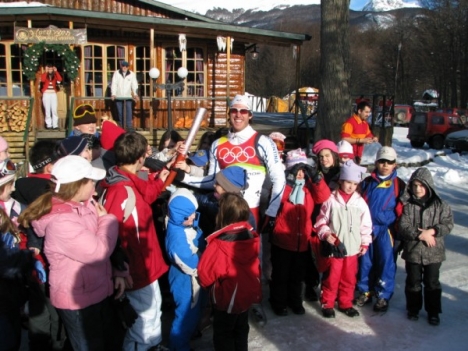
[184, 59]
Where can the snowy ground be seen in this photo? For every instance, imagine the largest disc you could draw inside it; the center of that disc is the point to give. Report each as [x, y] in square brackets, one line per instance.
[391, 331]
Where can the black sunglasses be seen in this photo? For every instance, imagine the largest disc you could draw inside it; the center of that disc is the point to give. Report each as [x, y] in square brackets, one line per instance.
[381, 162]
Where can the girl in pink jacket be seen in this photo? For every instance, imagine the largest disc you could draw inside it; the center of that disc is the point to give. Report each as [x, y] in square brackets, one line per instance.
[345, 226]
[79, 239]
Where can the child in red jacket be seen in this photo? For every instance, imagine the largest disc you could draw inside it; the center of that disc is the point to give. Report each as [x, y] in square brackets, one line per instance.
[230, 269]
[290, 237]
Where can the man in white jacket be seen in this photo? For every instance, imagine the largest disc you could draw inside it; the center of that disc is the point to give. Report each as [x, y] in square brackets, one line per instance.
[124, 88]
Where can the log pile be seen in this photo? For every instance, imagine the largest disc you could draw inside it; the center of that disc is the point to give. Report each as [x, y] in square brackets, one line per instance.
[13, 117]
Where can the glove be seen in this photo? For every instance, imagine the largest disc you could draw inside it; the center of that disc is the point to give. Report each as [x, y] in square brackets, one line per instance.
[125, 312]
[118, 258]
[179, 175]
[312, 173]
[41, 273]
[154, 165]
[268, 225]
[338, 249]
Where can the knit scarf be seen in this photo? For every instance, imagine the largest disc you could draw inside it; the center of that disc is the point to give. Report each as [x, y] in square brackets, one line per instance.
[297, 195]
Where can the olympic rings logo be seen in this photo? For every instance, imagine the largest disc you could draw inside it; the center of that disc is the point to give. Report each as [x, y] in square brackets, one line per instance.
[236, 154]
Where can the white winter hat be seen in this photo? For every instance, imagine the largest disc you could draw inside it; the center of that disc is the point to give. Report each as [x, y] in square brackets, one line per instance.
[72, 168]
[386, 153]
[241, 100]
[345, 149]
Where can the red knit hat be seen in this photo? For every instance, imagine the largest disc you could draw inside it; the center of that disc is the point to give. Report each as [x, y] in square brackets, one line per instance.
[110, 133]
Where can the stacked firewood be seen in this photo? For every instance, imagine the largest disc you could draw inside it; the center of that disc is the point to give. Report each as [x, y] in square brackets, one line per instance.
[13, 117]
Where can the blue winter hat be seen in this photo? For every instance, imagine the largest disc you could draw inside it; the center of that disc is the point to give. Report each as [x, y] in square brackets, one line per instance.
[73, 145]
[232, 179]
[182, 204]
[199, 158]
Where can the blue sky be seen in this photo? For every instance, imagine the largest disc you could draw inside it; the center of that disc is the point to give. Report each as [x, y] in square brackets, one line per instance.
[357, 4]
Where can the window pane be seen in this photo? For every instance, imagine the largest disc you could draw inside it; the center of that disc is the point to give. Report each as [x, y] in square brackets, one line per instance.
[93, 71]
[142, 67]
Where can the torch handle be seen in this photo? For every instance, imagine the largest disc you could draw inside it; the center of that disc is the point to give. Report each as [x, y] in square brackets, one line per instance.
[200, 113]
[173, 171]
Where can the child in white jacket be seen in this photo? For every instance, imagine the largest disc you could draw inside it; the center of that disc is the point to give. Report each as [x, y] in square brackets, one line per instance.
[345, 226]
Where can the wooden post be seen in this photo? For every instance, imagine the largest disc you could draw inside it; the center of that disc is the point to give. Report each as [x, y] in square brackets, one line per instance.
[72, 85]
[153, 64]
[298, 82]
[32, 87]
[228, 74]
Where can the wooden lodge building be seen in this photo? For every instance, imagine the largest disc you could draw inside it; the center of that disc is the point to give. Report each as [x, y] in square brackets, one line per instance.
[87, 39]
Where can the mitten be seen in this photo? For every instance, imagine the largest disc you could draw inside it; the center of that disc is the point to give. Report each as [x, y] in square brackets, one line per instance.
[154, 165]
[338, 249]
[125, 311]
[312, 173]
[268, 225]
[118, 258]
[41, 273]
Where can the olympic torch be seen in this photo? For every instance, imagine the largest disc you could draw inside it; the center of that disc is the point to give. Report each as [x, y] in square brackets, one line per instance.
[188, 143]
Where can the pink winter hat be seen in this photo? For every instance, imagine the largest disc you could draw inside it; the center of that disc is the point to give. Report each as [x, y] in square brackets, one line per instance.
[351, 172]
[345, 149]
[3, 144]
[324, 144]
[294, 157]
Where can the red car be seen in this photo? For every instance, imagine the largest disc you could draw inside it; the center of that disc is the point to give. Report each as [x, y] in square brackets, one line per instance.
[432, 128]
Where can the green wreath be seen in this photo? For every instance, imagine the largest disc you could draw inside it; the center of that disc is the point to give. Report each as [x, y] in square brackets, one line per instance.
[34, 53]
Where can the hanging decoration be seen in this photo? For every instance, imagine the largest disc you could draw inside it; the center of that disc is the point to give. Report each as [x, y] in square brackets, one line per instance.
[232, 44]
[33, 54]
[182, 42]
[221, 41]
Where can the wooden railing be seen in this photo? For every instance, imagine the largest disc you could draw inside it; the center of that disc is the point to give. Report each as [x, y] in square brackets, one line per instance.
[151, 113]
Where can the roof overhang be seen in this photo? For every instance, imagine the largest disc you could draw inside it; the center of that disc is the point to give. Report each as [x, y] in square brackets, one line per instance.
[164, 26]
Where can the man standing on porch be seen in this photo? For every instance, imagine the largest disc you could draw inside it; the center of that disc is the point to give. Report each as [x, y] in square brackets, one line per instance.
[124, 90]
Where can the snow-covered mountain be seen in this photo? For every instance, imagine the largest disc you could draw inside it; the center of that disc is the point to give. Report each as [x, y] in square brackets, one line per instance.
[202, 7]
[388, 5]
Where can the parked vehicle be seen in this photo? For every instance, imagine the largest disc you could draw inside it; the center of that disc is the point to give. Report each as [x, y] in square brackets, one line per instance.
[457, 141]
[403, 114]
[432, 128]
[460, 112]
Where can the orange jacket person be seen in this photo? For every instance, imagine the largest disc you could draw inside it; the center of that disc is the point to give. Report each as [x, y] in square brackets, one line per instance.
[356, 130]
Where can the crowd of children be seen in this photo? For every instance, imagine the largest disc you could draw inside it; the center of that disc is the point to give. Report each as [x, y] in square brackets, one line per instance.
[91, 229]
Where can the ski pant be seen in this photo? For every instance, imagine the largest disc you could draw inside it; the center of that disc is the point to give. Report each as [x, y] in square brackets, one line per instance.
[287, 276]
[377, 267]
[417, 275]
[46, 330]
[339, 282]
[230, 331]
[146, 332]
[125, 116]
[186, 317]
[49, 101]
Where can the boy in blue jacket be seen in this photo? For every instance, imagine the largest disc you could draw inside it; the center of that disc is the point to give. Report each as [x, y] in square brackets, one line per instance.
[183, 240]
[381, 190]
